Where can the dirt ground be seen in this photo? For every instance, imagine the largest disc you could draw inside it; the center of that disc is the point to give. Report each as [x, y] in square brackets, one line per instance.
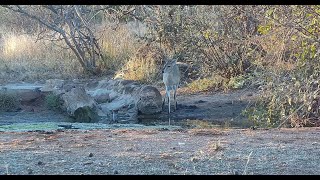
[161, 149]
[144, 152]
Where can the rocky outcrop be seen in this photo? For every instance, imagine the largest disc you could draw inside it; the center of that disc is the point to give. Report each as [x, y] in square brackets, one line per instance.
[126, 99]
[105, 100]
[101, 96]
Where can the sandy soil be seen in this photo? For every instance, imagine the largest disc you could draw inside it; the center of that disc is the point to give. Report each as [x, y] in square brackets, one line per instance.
[193, 151]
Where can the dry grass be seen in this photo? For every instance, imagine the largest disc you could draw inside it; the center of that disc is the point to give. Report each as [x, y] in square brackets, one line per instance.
[139, 69]
[216, 146]
[166, 151]
[200, 124]
[118, 45]
[207, 84]
[22, 58]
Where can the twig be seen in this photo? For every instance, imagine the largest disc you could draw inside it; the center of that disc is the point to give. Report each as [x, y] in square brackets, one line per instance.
[245, 169]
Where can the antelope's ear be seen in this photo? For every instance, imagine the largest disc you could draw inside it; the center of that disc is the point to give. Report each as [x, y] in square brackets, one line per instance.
[174, 60]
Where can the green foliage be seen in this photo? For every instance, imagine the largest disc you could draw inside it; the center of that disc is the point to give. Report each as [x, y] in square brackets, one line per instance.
[53, 102]
[240, 81]
[85, 114]
[307, 52]
[264, 29]
[290, 99]
[8, 102]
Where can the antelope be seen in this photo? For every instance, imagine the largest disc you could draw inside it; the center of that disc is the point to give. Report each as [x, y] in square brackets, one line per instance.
[171, 80]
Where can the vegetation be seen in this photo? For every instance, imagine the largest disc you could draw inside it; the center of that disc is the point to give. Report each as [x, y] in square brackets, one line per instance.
[275, 48]
[290, 95]
[53, 102]
[8, 102]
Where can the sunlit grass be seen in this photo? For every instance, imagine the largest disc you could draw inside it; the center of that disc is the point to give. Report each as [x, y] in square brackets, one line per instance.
[139, 69]
[22, 58]
[118, 45]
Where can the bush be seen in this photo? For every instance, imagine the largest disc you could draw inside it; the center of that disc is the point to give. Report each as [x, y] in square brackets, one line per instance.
[291, 99]
[290, 96]
[241, 81]
[217, 82]
[8, 102]
[53, 102]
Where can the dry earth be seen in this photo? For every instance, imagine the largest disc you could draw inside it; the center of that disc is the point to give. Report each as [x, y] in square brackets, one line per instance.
[152, 151]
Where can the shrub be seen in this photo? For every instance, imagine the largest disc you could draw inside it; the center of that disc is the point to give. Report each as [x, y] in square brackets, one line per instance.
[8, 102]
[289, 99]
[53, 102]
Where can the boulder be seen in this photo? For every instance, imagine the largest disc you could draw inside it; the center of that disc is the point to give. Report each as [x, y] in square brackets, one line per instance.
[149, 100]
[100, 95]
[127, 98]
[24, 92]
[110, 100]
[79, 105]
[121, 109]
[54, 85]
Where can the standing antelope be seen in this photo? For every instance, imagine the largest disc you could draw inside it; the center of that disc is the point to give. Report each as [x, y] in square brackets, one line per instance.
[171, 79]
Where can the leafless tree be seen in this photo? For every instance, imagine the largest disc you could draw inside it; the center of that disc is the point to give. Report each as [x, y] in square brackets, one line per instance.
[72, 24]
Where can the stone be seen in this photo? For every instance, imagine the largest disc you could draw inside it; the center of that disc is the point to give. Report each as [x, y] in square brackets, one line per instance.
[149, 100]
[100, 95]
[25, 93]
[79, 105]
[52, 85]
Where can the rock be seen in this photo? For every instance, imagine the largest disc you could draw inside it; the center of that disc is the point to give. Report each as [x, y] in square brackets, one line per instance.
[120, 109]
[87, 163]
[91, 155]
[67, 126]
[79, 105]
[30, 171]
[200, 101]
[53, 85]
[59, 86]
[25, 92]
[149, 100]
[126, 99]
[113, 100]
[100, 95]
[92, 84]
